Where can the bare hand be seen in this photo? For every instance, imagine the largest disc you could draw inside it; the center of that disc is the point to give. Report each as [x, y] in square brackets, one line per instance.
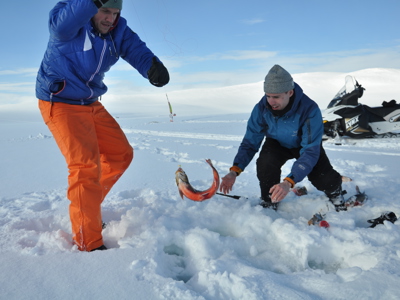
[279, 191]
[227, 182]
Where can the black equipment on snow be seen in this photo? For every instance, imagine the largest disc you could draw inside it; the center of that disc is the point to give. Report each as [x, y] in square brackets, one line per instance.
[344, 116]
[230, 196]
[387, 216]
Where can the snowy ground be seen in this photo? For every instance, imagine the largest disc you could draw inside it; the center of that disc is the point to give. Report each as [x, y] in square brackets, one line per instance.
[162, 247]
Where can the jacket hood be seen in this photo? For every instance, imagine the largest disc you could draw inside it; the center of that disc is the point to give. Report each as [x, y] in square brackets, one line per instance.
[115, 22]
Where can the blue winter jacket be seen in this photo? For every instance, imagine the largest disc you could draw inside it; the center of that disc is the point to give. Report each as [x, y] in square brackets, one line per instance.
[77, 56]
[301, 127]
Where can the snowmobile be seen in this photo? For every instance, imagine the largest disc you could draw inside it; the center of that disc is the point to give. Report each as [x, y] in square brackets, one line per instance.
[344, 116]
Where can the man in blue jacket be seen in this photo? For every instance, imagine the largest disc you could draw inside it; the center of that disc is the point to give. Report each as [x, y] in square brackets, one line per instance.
[291, 124]
[87, 37]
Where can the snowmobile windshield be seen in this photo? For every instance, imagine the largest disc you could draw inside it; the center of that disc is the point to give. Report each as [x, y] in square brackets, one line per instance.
[344, 93]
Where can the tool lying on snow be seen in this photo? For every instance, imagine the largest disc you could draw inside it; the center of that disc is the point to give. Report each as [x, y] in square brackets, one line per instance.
[357, 199]
[231, 196]
[318, 219]
[387, 216]
[185, 188]
[300, 190]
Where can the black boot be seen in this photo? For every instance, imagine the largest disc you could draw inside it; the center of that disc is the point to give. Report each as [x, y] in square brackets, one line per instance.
[102, 247]
[336, 197]
[267, 203]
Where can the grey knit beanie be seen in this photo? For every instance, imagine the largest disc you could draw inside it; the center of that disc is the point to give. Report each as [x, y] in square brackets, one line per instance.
[113, 4]
[278, 81]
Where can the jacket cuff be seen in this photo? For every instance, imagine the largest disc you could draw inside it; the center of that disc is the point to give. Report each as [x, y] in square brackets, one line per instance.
[290, 180]
[236, 169]
[99, 3]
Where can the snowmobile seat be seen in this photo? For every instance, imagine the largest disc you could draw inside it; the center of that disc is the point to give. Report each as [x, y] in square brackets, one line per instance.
[382, 111]
[391, 103]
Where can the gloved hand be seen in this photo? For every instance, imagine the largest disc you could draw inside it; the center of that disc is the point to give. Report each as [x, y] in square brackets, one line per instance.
[158, 74]
[227, 182]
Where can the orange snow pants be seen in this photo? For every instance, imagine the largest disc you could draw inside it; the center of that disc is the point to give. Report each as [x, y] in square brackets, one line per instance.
[97, 153]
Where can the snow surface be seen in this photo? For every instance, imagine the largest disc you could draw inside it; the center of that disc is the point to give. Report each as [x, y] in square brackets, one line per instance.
[163, 247]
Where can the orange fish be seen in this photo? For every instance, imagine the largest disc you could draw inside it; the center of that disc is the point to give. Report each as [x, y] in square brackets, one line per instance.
[185, 189]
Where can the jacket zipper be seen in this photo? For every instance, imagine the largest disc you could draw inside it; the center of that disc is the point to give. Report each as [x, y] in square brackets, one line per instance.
[97, 70]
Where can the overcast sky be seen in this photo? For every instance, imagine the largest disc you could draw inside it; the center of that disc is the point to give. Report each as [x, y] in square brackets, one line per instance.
[213, 43]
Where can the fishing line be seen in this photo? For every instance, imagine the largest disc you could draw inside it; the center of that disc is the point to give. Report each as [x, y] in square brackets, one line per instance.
[167, 30]
[162, 23]
[163, 27]
[138, 18]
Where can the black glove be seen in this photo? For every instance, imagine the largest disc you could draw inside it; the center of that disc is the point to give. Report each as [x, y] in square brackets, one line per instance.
[158, 74]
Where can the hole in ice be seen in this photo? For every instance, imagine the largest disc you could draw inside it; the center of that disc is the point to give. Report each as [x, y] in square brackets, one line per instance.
[173, 250]
[177, 265]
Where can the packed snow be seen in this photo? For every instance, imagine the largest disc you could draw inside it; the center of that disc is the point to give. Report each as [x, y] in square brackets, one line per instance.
[163, 247]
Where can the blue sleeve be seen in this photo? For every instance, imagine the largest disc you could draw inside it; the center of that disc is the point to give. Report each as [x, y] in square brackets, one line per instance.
[69, 16]
[252, 140]
[135, 52]
[311, 140]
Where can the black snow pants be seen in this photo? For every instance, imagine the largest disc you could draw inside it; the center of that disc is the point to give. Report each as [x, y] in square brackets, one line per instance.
[273, 156]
